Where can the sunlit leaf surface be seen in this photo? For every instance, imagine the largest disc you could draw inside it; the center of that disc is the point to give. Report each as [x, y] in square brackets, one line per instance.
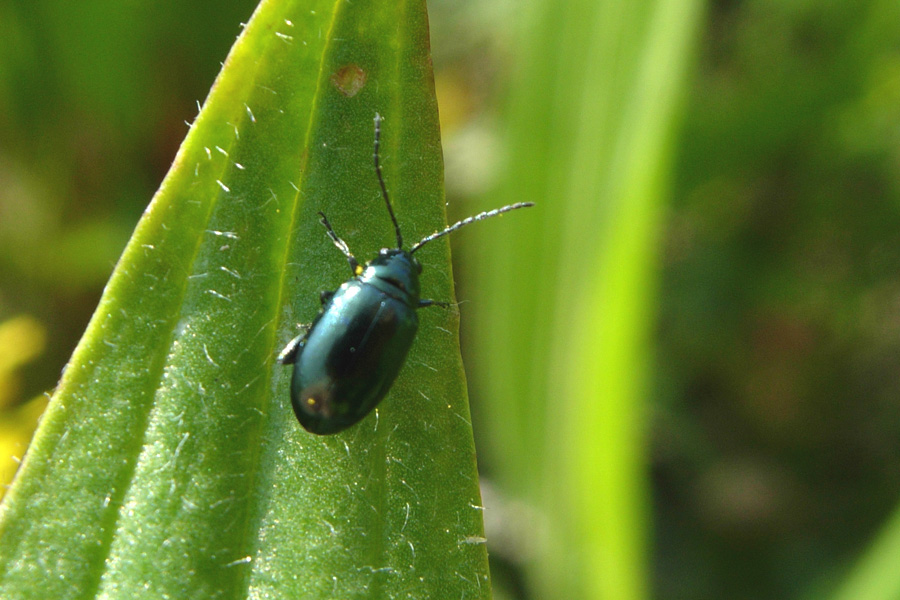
[169, 463]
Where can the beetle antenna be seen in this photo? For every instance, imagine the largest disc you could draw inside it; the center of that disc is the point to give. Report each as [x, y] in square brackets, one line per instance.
[384, 193]
[464, 222]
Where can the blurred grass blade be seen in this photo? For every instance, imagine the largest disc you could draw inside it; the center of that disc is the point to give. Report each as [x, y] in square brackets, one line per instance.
[875, 577]
[590, 128]
[169, 463]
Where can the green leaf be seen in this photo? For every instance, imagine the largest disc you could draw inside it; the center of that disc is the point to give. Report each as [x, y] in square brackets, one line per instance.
[569, 294]
[874, 576]
[169, 463]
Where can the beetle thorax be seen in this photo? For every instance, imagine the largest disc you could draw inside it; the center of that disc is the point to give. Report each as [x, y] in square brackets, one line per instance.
[396, 273]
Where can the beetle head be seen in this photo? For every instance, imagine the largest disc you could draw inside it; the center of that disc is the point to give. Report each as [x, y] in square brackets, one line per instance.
[397, 268]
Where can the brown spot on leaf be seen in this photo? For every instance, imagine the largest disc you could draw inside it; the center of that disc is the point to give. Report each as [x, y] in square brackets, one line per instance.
[349, 79]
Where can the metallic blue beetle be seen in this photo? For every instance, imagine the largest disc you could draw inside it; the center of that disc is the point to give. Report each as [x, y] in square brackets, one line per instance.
[346, 360]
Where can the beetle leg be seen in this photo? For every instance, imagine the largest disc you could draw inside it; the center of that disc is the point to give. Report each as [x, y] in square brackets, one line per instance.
[288, 356]
[424, 303]
[325, 297]
[341, 245]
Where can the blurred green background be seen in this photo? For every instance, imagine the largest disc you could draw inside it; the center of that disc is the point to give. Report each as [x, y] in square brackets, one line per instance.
[771, 408]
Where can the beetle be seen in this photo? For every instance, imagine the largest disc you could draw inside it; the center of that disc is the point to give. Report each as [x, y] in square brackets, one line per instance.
[346, 360]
